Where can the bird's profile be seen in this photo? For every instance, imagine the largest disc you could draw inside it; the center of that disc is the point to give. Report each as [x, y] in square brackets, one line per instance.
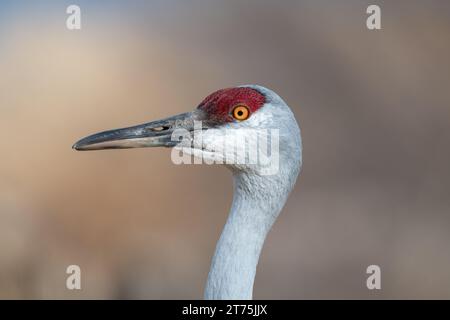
[258, 196]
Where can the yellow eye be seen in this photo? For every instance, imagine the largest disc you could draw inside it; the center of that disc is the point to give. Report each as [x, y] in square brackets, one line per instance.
[241, 112]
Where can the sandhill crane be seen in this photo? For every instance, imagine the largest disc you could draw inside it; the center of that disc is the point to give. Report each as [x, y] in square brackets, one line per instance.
[258, 197]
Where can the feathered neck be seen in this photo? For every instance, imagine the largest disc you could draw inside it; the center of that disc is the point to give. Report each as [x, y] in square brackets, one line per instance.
[257, 201]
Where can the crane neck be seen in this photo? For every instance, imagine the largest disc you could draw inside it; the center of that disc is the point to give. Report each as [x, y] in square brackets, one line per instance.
[257, 201]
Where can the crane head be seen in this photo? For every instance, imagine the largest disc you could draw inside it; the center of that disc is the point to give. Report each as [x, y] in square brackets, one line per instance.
[223, 124]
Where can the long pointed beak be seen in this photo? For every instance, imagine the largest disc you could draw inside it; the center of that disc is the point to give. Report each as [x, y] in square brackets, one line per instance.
[152, 134]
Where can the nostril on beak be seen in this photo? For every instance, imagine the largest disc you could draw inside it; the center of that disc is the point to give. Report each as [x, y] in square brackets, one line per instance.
[158, 129]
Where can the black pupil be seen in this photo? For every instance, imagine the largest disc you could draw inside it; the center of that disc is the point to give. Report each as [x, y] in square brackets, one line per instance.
[240, 113]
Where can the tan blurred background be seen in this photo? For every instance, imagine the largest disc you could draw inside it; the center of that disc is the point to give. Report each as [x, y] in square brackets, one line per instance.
[374, 108]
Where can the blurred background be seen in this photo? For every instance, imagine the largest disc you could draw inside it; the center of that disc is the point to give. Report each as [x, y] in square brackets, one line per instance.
[374, 108]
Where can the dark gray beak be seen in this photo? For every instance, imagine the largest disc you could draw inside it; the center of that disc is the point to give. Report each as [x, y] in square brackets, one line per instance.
[152, 134]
